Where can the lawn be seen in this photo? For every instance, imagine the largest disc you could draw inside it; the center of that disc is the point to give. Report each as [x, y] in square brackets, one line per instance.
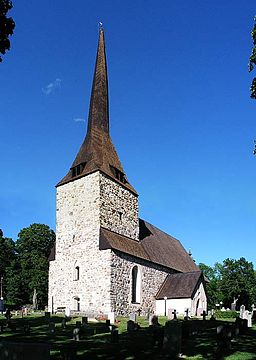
[201, 344]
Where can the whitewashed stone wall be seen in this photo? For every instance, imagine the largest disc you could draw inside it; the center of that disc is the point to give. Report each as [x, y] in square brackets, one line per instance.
[118, 208]
[152, 277]
[199, 300]
[77, 244]
[180, 305]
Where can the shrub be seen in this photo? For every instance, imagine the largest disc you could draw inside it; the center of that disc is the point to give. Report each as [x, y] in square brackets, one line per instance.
[228, 314]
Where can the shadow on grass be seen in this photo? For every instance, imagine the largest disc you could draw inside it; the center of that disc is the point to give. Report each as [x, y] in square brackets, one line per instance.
[199, 341]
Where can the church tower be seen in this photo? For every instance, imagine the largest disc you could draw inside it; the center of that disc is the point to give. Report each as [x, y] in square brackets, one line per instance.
[94, 194]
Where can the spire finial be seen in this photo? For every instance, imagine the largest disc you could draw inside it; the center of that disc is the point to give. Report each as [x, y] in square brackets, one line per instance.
[100, 26]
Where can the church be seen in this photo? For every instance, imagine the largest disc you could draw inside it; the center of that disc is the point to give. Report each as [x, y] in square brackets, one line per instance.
[107, 259]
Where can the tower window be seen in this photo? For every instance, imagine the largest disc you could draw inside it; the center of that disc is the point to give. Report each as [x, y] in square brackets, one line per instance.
[119, 175]
[78, 169]
[77, 273]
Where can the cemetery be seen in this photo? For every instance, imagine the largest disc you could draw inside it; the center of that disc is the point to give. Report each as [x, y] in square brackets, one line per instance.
[42, 335]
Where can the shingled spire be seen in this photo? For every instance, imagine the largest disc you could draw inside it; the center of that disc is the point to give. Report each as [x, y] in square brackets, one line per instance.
[97, 151]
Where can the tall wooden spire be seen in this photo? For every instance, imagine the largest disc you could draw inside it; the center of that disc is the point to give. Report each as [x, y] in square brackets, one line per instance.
[97, 151]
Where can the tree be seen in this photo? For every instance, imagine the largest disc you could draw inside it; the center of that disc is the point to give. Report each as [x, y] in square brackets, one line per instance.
[7, 26]
[238, 281]
[7, 254]
[33, 247]
[214, 293]
[252, 60]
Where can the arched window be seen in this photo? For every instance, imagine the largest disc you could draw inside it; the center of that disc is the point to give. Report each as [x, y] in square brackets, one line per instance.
[77, 273]
[136, 284]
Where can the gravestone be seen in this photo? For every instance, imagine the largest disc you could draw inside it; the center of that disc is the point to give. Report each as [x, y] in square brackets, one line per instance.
[67, 312]
[76, 333]
[248, 317]
[51, 327]
[132, 317]
[130, 326]
[242, 310]
[111, 317]
[174, 314]
[150, 319]
[24, 351]
[186, 312]
[233, 307]
[204, 315]
[114, 336]
[172, 338]
[224, 337]
[47, 316]
[108, 322]
[84, 320]
[64, 323]
[170, 314]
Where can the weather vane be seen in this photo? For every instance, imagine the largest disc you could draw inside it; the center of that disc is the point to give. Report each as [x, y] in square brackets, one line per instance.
[100, 26]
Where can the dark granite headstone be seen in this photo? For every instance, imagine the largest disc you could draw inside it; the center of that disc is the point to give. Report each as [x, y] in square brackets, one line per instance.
[172, 338]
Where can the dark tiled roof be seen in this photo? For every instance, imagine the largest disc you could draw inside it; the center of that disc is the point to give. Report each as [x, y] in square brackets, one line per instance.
[154, 246]
[180, 285]
[97, 151]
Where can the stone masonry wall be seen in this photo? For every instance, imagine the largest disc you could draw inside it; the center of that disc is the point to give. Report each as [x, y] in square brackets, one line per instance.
[118, 208]
[152, 277]
[77, 244]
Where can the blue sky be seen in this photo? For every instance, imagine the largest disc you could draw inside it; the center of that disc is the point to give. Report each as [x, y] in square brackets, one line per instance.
[181, 117]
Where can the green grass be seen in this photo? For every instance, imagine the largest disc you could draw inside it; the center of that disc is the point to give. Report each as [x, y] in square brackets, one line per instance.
[138, 345]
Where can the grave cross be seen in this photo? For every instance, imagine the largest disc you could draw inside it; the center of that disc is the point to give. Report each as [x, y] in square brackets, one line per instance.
[174, 314]
[204, 315]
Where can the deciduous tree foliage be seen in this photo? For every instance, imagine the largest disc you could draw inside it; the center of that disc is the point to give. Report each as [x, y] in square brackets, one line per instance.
[33, 247]
[6, 26]
[252, 60]
[234, 279]
[25, 264]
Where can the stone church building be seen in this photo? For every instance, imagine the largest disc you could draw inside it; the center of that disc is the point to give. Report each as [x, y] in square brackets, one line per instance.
[106, 258]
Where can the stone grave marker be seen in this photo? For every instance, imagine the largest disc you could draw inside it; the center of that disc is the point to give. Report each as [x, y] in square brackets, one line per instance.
[114, 336]
[130, 326]
[186, 317]
[174, 314]
[150, 319]
[132, 317]
[78, 324]
[224, 337]
[170, 313]
[51, 327]
[47, 316]
[242, 310]
[84, 320]
[76, 333]
[67, 312]
[172, 338]
[64, 323]
[248, 317]
[111, 317]
[204, 315]
[233, 307]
